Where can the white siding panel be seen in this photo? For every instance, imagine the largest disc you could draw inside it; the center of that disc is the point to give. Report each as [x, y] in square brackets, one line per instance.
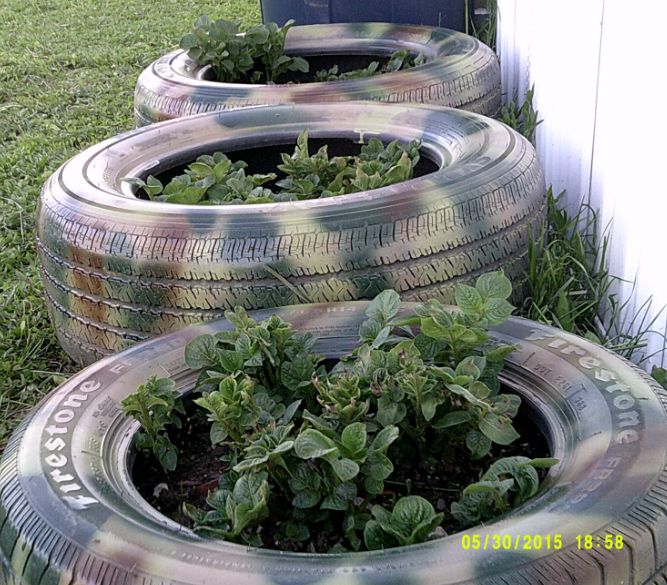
[630, 156]
[543, 43]
[599, 72]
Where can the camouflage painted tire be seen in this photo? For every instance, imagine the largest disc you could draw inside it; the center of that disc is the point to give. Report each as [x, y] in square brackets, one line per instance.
[70, 514]
[459, 72]
[118, 269]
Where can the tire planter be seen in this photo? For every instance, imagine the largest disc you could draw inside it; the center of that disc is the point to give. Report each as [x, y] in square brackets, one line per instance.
[459, 72]
[70, 514]
[118, 269]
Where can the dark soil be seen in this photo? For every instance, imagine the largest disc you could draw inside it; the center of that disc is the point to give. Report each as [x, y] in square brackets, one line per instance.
[199, 468]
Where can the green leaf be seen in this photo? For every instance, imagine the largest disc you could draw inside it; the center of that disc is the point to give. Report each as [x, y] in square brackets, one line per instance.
[188, 41]
[169, 458]
[471, 366]
[494, 285]
[200, 169]
[218, 433]
[506, 404]
[340, 498]
[306, 499]
[500, 352]
[452, 419]
[290, 411]
[384, 306]
[390, 412]
[201, 352]
[382, 336]
[385, 438]
[468, 299]
[465, 393]
[252, 463]
[563, 311]
[248, 502]
[373, 485]
[445, 373]
[311, 444]
[378, 466]
[434, 330]
[481, 487]
[353, 437]
[344, 468]
[230, 360]
[497, 311]
[412, 520]
[498, 428]
[543, 462]
[375, 538]
[304, 478]
[296, 531]
[429, 404]
[478, 444]
[411, 511]
[369, 330]
[479, 390]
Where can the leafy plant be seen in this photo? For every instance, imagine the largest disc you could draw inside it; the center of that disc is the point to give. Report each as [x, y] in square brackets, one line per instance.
[315, 450]
[398, 61]
[411, 521]
[507, 483]
[660, 376]
[522, 118]
[483, 22]
[256, 55]
[216, 180]
[154, 405]
[234, 511]
[570, 286]
[317, 175]
[210, 180]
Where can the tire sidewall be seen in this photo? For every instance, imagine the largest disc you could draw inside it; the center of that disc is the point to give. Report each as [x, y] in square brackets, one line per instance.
[607, 427]
[458, 71]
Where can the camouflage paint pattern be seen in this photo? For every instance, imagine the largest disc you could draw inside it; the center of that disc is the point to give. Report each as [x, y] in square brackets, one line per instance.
[118, 269]
[69, 513]
[459, 72]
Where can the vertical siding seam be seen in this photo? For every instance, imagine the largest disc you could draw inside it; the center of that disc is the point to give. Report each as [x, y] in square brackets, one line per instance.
[595, 111]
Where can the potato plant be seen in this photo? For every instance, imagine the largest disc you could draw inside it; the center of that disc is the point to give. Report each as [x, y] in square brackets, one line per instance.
[216, 180]
[258, 54]
[308, 451]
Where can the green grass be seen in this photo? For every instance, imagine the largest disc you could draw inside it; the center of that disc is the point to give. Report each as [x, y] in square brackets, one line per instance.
[67, 75]
[570, 285]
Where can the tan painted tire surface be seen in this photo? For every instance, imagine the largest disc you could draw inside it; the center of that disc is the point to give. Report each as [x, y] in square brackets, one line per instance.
[118, 269]
[69, 513]
[460, 72]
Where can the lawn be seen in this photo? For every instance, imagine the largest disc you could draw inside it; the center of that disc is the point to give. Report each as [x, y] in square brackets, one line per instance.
[67, 75]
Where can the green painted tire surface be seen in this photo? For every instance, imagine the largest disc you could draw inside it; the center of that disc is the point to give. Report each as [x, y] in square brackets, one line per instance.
[70, 514]
[459, 72]
[118, 269]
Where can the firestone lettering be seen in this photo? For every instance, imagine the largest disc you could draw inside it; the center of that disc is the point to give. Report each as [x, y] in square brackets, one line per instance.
[623, 399]
[66, 483]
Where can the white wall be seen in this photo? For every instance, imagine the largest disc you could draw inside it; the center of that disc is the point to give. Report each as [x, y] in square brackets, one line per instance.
[600, 87]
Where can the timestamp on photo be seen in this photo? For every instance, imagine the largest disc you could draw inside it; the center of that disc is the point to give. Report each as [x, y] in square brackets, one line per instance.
[540, 542]
[597, 541]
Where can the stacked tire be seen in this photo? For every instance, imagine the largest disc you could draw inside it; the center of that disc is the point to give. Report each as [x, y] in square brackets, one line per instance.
[459, 72]
[69, 512]
[119, 269]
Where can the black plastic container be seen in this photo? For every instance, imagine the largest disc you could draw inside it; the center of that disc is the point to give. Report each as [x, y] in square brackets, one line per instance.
[445, 13]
